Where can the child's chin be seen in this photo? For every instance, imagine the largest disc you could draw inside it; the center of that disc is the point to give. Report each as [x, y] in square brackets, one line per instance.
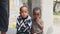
[24, 17]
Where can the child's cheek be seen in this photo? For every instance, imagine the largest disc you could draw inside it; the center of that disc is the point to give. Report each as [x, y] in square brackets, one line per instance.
[36, 16]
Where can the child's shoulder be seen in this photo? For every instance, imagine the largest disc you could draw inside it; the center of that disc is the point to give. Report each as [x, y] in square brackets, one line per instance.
[29, 17]
[19, 17]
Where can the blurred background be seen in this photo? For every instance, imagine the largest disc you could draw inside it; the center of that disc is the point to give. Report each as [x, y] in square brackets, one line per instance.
[56, 14]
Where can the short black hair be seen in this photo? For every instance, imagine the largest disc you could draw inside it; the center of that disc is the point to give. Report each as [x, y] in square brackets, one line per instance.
[36, 8]
[22, 7]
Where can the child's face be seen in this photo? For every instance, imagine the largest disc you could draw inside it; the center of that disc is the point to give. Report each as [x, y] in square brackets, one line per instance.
[24, 12]
[37, 14]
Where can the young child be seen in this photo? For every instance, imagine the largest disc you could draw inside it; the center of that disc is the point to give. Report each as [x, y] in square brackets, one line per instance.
[37, 21]
[24, 21]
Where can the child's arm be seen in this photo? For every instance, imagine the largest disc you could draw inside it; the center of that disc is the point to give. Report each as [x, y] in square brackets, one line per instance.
[39, 22]
[32, 30]
[18, 25]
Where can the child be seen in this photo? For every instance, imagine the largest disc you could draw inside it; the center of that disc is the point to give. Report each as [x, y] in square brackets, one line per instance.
[37, 21]
[24, 21]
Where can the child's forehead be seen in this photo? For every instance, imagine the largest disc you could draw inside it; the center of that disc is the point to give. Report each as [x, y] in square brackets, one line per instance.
[37, 11]
[24, 8]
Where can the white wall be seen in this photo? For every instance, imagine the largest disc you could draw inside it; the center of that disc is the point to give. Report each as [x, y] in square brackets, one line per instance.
[14, 12]
[47, 16]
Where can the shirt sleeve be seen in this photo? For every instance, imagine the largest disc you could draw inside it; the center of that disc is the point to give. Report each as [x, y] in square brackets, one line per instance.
[17, 24]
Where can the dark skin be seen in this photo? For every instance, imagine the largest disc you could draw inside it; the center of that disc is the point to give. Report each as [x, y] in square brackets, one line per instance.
[37, 18]
[24, 12]
[3, 32]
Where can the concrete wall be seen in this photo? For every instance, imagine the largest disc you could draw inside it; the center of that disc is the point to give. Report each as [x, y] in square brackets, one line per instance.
[36, 3]
[14, 12]
[47, 16]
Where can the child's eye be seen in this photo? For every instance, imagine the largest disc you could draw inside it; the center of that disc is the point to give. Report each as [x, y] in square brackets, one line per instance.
[36, 14]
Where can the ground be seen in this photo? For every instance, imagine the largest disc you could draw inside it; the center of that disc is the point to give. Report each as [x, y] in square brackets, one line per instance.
[56, 24]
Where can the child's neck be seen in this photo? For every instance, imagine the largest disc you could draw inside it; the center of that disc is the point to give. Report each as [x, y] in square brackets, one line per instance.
[24, 18]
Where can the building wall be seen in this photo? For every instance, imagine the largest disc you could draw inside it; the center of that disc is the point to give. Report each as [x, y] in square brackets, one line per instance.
[11, 4]
[14, 12]
[47, 16]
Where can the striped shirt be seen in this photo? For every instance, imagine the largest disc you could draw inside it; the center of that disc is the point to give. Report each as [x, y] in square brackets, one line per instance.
[24, 25]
